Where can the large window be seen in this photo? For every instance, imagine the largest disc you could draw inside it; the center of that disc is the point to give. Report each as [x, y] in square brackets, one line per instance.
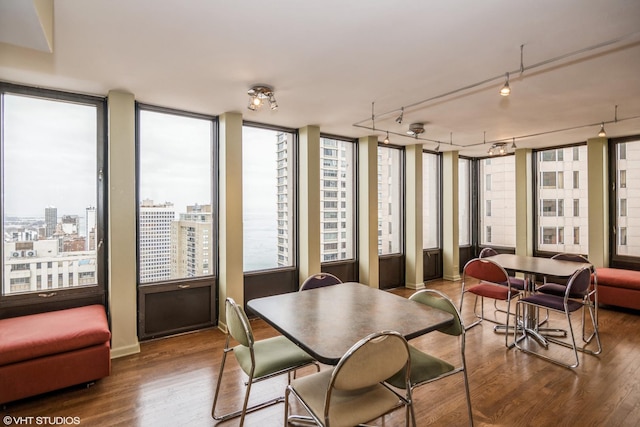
[389, 200]
[430, 200]
[562, 223]
[497, 201]
[268, 186]
[52, 193]
[176, 215]
[627, 203]
[337, 199]
[464, 202]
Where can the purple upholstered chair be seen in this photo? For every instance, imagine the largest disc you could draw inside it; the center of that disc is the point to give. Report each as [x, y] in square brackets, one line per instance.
[319, 280]
[574, 298]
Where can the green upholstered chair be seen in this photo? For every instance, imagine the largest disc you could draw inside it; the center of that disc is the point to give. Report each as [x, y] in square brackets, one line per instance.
[354, 391]
[426, 368]
[258, 359]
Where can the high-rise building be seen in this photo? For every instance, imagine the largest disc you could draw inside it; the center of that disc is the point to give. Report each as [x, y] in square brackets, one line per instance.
[155, 240]
[191, 239]
[50, 220]
[90, 223]
[285, 200]
[336, 200]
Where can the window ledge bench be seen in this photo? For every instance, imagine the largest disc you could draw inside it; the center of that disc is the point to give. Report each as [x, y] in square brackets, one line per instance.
[619, 287]
[48, 351]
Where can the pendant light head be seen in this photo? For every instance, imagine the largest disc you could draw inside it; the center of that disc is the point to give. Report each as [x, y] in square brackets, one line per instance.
[506, 90]
[386, 140]
[602, 133]
[499, 148]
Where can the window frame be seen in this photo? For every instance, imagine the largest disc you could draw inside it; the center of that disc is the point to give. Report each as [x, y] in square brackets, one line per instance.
[34, 302]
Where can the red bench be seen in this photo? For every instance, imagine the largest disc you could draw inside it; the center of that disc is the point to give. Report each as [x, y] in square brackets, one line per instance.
[49, 351]
[619, 287]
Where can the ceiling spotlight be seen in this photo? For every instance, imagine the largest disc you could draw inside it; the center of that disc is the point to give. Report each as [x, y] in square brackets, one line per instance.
[438, 148]
[506, 90]
[602, 133]
[260, 94]
[386, 140]
[513, 144]
[415, 129]
[499, 148]
[400, 117]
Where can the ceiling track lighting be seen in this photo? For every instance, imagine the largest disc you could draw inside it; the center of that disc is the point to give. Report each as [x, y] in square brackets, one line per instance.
[602, 133]
[513, 144]
[400, 117]
[260, 94]
[506, 90]
[386, 140]
[415, 129]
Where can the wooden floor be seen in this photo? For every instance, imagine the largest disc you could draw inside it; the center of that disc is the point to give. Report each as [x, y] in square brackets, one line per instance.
[171, 383]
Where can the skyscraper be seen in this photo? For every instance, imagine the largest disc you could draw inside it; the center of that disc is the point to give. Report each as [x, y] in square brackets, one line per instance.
[50, 220]
[155, 240]
[191, 237]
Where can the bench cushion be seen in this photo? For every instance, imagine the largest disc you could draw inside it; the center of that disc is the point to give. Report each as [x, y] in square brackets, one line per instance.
[618, 278]
[28, 337]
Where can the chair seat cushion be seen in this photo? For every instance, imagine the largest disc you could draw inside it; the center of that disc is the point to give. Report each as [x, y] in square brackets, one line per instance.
[551, 301]
[37, 335]
[347, 408]
[556, 289]
[272, 355]
[517, 283]
[488, 290]
[424, 367]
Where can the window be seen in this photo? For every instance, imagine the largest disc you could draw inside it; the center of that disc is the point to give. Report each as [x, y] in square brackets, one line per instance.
[497, 213]
[551, 194]
[340, 175]
[175, 207]
[487, 181]
[390, 194]
[430, 200]
[52, 194]
[268, 207]
[627, 210]
[464, 202]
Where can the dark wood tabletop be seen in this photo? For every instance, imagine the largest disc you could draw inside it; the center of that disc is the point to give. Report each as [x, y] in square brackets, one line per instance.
[538, 265]
[326, 322]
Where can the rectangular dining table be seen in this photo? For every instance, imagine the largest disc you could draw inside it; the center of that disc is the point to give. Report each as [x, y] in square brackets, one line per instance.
[326, 322]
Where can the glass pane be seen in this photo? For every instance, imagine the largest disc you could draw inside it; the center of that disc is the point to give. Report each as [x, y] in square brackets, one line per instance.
[628, 203]
[337, 199]
[175, 207]
[50, 194]
[389, 200]
[268, 198]
[464, 201]
[430, 200]
[498, 213]
[563, 230]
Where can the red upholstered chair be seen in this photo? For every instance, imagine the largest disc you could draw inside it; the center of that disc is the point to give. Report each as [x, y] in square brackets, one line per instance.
[494, 283]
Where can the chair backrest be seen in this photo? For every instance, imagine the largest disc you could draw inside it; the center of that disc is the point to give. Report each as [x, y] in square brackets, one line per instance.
[370, 361]
[579, 283]
[319, 280]
[486, 270]
[238, 324]
[487, 252]
[440, 301]
[569, 257]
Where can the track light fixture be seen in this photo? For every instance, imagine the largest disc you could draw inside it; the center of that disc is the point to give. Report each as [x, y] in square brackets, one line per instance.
[513, 144]
[400, 117]
[602, 132]
[386, 140]
[506, 90]
[258, 95]
[438, 148]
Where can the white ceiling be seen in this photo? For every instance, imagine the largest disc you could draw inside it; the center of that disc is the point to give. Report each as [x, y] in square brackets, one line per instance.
[330, 60]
